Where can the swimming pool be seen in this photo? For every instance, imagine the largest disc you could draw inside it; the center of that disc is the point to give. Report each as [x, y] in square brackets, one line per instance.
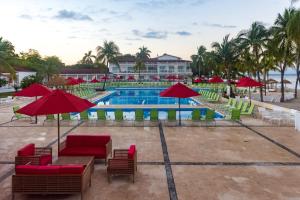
[145, 96]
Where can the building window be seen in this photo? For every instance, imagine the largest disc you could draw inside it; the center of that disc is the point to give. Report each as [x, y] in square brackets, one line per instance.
[171, 69]
[115, 69]
[162, 69]
[130, 69]
[181, 69]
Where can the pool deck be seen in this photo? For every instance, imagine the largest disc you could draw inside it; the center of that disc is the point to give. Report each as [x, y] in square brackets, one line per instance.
[252, 160]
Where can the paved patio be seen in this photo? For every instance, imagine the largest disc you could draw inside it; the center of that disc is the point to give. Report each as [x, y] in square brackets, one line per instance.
[252, 160]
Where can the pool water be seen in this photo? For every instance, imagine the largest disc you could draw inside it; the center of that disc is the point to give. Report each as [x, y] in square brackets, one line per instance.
[143, 96]
[129, 113]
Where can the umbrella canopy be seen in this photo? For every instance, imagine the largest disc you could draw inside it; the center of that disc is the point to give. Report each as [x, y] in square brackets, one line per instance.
[56, 102]
[34, 90]
[197, 80]
[104, 78]
[131, 78]
[286, 81]
[72, 81]
[171, 77]
[95, 81]
[180, 91]
[271, 81]
[216, 79]
[155, 78]
[248, 82]
[80, 80]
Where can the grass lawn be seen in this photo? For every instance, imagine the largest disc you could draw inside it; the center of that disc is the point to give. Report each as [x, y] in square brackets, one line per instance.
[5, 94]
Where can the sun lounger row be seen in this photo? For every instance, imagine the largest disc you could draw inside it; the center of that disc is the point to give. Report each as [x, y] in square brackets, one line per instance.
[209, 96]
[6, 100]
[244, 107]
[85, 93]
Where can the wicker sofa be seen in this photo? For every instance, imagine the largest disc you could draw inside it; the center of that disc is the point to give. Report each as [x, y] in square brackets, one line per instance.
[32, 155]
[51, 179]
[99, 146]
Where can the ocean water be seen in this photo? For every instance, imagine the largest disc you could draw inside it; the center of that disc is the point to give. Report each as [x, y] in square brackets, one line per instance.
[290, 77]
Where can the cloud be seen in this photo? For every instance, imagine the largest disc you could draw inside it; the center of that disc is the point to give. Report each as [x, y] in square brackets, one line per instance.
[71, 15]
[151, 34]
[158, 3]
[183, 33]
[25, 16]
[219, 25]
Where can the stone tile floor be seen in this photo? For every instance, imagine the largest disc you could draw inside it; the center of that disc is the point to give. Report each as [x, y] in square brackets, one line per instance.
[257, 161]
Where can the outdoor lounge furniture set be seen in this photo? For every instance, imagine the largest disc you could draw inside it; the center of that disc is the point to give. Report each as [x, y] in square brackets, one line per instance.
[36, 173]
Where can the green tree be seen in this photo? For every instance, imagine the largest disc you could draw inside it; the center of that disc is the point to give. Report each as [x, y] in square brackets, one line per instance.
[28, 80]
[3, 82]
[141, 57]
[293, 31]
[7, 54]
[51, 66]
[107, 53]
[280, 31]
[198, 61]
[253, 41]
[88, 58]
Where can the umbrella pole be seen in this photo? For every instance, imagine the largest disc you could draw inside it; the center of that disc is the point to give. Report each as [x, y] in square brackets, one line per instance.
[58, 133]
[36, 120]
[249, 95]
[179, 112]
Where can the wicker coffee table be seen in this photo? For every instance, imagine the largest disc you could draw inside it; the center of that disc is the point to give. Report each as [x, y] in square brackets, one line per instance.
[88, 161]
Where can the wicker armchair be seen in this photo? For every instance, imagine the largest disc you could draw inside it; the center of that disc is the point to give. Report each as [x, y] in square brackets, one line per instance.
[124, 162]
[34, 155]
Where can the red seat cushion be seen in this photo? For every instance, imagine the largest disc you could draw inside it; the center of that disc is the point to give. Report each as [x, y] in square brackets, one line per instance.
[45, 159]
[87, 140]
[98, 152]
[71, 169]
[131, 151]
[36, 169]
[28, 150]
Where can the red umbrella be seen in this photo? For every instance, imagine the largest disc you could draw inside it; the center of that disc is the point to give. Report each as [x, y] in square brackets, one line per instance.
[155, 78]
[197, 80]
[34, 90]
[104, 78]
[216, 79]
[179, 91]
[95, 81]
[56, 102]
[171, 77]
[131, 78]
[72, 81]
[80, 80]
[248, 82]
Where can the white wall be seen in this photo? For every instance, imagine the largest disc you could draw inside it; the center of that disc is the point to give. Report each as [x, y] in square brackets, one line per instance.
[22, 75]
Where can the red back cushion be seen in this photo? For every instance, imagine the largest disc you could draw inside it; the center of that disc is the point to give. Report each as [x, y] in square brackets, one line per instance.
[131, 151]
[28, 150]
[71, 169]
[36, 169]
[87, 140]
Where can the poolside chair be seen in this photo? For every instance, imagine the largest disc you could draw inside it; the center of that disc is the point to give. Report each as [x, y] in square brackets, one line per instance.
[171, 115]
[66, 116]
[249, 111]
[245, 106]
[84, 116]
[119, 115]
[18, 116]
[209, 116]
[154, 115]
[196, 115]
[139, 115]
[235, 115]
[239, 105]
[49, 118]
[101, 115]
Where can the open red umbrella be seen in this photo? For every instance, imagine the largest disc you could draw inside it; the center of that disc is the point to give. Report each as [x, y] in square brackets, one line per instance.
[197, 80]
[95, 81]
[216, 79]
[179, 91]
[248, 82]
[72, 81]
[56, 102]
[171, 77]
[34, 90]
[155, 78]
[80, 80]
[103, 78]
[131, 78]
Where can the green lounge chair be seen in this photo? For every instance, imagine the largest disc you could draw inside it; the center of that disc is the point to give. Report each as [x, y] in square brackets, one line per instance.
[18, 116]
[139, 115]
[119, 115]
[49, 118]
[235, 115]
[245, 106]
[196, 115]
[101, 115]
[84, 115]
[171, 115]
[239, 105]
[249, 111]
[209, 116]
[154, 115]
[66, 116]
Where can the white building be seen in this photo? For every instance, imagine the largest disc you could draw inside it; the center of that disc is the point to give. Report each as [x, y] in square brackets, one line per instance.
[21, 73]
[161, 66]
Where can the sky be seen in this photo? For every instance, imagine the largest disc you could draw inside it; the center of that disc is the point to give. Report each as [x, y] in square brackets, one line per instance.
[70, 28]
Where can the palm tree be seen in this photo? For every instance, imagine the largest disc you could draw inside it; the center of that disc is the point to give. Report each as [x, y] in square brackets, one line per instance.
[88, 58]
[253, 41]
[7, 54]
[294, 35]
[280, 31]
[106, 54]
[141, 57]
[199, 59]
